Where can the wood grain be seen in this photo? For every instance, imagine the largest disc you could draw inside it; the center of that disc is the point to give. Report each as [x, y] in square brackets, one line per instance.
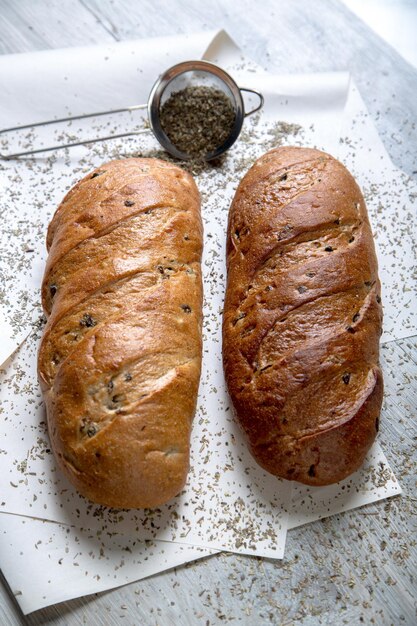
[28, 26]
[359, 567]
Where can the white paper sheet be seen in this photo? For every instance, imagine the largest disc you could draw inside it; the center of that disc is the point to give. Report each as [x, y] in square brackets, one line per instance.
[221, 506]
[391, 198]
[45, 563]
[59, 554]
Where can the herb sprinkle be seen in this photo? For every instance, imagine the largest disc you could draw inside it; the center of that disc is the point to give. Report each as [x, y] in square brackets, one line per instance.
[197, 119]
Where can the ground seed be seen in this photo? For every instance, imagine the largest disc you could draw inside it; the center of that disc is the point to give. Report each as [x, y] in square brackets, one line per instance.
[197, 119]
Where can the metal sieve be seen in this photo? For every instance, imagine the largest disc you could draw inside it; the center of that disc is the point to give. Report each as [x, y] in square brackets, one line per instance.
[172, 80]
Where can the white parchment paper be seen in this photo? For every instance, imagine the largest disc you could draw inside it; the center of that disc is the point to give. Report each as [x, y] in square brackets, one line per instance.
[221, 508]
[229, 503]
[45, 563]
[391, 198]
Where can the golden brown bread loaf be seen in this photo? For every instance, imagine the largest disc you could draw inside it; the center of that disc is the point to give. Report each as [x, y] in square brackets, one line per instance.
[302, 317]
[120, 359]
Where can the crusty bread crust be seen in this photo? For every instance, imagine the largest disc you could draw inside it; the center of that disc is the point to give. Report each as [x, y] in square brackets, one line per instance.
[120, 359]
[303, 317]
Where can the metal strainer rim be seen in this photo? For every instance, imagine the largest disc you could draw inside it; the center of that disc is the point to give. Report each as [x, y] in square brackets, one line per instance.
[155, 96]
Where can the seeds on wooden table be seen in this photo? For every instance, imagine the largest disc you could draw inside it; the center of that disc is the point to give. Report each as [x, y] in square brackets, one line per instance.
[197, 119]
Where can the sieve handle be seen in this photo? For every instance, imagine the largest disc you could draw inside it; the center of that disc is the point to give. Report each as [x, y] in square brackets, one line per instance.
[260, 96]
[16, 155]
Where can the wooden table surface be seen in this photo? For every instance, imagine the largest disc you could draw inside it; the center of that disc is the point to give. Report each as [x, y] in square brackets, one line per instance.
[354, 568]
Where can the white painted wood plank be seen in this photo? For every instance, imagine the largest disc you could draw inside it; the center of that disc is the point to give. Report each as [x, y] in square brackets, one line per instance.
[27, 25]
[394, 21]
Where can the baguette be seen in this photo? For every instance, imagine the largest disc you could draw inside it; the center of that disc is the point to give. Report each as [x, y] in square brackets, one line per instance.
[120, 359]
[302, 317]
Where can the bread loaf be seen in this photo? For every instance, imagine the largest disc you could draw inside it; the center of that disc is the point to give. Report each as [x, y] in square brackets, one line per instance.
[302, 317]
[120, 359]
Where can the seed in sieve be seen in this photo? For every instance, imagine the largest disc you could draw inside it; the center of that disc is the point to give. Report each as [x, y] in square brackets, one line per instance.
[197, 119]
